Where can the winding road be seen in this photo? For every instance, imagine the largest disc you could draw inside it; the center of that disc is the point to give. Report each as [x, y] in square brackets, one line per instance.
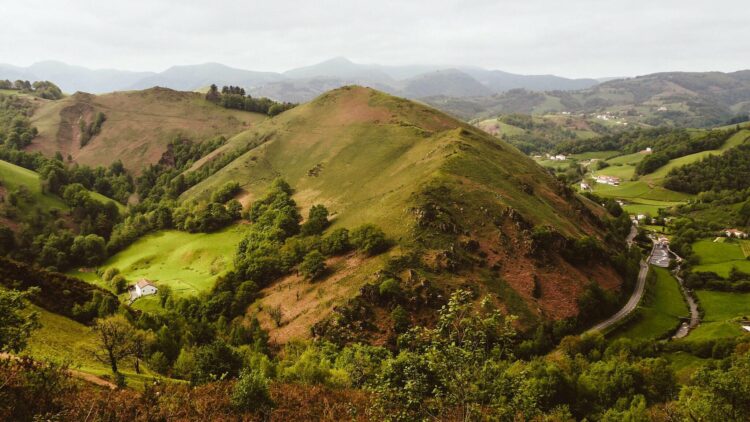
[635, 298]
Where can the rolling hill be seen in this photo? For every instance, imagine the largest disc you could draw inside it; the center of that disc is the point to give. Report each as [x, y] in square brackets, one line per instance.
[467, 202]
[138, 125]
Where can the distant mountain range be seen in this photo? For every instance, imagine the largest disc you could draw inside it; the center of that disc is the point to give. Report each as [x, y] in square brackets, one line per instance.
[300, 84]
[686, 99]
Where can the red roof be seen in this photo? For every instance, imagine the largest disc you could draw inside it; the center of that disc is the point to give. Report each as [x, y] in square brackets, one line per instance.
[143, 283]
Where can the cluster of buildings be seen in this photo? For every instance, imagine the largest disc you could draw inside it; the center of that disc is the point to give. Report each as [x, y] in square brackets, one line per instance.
[607, 180]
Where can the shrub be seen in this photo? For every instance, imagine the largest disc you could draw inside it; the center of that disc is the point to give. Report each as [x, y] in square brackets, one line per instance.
[317, 221]
[313, 265]
[336, 243]
[225, 192]
[390, 289]
[369, 239]
[251, 392]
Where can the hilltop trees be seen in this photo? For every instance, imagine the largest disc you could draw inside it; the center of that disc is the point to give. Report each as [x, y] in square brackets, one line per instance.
[234, 97]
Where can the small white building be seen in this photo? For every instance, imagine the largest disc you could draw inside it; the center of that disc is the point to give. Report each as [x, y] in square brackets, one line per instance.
[558, 157]
[585, 186]
[143, 288]
[735, 233]
[607, 180]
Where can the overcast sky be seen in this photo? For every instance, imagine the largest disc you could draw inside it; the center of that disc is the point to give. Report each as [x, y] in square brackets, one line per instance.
[576, 38]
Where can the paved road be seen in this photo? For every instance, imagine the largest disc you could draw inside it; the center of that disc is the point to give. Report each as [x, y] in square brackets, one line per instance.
[632, 302]
[631, 236]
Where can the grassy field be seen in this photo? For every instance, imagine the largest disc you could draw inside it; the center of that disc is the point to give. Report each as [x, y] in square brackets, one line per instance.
[660, 311]
[13, 176]
[721, 311]
[721, 257]
[66, 341]
[189, 263]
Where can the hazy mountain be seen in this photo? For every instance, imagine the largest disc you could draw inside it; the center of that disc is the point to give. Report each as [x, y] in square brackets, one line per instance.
[191, 77]
[342, 69]
[500, 81]
[450, 83]
[75, 78]
[299, 84]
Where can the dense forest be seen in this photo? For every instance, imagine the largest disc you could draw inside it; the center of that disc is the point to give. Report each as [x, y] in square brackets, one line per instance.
[728, 171]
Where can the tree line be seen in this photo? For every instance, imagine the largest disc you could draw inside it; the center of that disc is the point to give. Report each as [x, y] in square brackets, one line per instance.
[234, 97]
[42, 89]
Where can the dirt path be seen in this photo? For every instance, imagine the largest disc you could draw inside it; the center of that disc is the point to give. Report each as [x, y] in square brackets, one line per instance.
[93, 379]
[635, 298]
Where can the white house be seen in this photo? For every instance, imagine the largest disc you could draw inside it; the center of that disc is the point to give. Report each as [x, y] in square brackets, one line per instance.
[558, 157]
[607, 180]
[585, 186]
[735, 233]
[143, 288]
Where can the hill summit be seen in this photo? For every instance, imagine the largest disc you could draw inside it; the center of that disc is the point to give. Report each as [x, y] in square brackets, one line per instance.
[465, 207]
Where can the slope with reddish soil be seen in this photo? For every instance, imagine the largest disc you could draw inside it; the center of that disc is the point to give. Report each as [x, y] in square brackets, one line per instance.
[138, 125]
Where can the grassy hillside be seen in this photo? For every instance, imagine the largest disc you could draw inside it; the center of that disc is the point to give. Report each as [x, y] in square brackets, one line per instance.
[373, 158]
[13, 176]
[138, 125]
[62, 340]
[188, 263]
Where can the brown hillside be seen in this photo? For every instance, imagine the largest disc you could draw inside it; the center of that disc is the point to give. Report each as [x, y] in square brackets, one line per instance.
[138, 125]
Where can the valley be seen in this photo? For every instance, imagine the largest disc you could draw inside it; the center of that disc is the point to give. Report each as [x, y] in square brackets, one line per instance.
[350, 231]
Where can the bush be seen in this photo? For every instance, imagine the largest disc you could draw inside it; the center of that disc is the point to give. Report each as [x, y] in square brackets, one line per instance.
[313, 265]
[369, 239]
[225, 192]
[390, 289]
[317, 221]
[159, 362]
[251, 392]
[336, 243]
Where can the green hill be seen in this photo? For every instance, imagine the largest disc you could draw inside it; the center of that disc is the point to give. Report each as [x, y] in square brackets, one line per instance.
[433, 184]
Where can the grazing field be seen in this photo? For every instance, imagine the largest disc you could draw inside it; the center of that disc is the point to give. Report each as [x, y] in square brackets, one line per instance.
[600, 155]
[13, 176]
[721, 257]
[188, 263]
[647, 206]
[63, 340]
[722, 309]
[660, 311]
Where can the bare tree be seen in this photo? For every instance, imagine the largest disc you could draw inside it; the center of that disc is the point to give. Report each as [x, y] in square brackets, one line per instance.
[116, 339]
